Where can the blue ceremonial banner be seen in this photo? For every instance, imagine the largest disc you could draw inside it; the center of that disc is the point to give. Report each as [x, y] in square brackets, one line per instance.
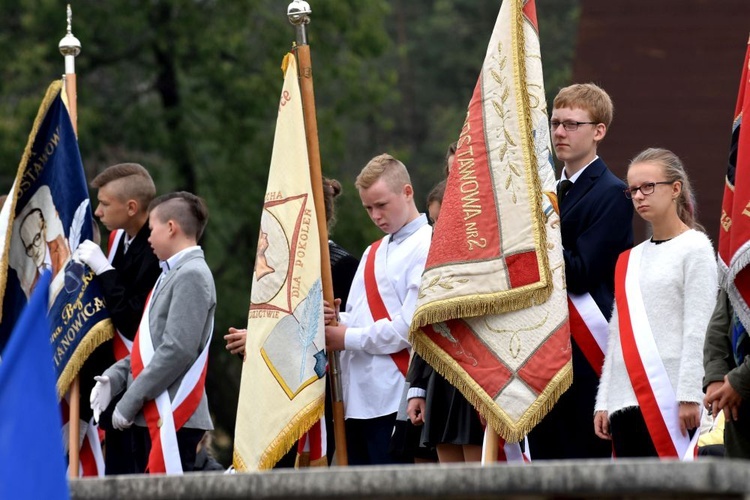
[46, 216]
[31, 450]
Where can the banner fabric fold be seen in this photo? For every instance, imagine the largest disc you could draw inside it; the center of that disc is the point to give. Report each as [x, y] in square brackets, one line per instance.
[734, 233]
[492, 314]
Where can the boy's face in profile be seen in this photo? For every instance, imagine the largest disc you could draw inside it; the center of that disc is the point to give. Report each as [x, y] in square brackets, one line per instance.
[160, 240]
[388, 210]
[111, 210]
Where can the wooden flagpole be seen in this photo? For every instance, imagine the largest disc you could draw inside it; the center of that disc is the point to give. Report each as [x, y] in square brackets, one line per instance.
[490, 446]
[70, 47]
[299, 15]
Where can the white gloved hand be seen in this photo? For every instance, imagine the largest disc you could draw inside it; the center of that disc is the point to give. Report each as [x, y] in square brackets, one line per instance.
[101, 395]
[90, 254]
[119, 422]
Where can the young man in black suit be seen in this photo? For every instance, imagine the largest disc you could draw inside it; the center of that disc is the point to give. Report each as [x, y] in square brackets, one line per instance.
[596, 224]
[127, 275]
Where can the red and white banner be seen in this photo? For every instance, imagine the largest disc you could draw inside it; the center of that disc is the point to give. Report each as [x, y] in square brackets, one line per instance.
[734, 235]
[492, 313]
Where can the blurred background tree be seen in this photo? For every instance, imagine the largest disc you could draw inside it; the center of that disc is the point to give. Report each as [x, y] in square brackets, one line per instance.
[190, 89]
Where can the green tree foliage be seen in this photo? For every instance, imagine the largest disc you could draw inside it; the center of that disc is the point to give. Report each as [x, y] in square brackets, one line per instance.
[190, 89]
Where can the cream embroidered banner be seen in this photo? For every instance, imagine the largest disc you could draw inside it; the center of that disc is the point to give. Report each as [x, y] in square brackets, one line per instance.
[492, 315]
[283, 384]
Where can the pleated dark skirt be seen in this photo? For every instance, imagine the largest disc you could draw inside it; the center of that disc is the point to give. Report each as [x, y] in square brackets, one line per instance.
[449, 417]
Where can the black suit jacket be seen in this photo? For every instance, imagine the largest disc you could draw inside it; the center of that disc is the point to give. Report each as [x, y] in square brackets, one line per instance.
[596, 226]
[127, 286]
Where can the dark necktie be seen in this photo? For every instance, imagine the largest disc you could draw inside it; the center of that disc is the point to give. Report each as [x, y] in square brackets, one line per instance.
[562, 189]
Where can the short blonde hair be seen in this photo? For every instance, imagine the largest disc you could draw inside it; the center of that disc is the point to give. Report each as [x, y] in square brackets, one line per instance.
[132, 181]
[385, 167]
[590, 98]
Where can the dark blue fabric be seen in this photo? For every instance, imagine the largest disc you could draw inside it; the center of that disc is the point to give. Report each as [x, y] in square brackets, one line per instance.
[31, 452]
[739, 338]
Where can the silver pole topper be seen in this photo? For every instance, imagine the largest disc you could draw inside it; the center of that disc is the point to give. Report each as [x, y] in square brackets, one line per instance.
[70, 46]
[298, 13]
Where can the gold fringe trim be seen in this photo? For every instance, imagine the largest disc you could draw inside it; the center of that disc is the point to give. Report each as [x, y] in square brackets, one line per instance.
[49, 97]
[294, 430]
[509, 430]
[100, 333]
[490, 304]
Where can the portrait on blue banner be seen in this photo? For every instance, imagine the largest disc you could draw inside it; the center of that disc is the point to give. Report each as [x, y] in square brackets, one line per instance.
[50, 215]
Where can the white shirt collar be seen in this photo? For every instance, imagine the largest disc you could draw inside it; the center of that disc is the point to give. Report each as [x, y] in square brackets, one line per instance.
[408, 229]
[564, 175]
[168, 264]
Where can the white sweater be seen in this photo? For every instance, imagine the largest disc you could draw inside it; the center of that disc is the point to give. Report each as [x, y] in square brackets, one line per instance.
[678, 281]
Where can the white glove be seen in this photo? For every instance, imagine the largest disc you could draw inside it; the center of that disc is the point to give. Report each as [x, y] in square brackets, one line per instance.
[90, 254]
[101, 395]
[119, 422]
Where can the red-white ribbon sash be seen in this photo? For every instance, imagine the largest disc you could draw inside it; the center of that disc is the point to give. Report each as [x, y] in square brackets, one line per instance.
[90, 457]
[165, 417]
[377, 306]
[648, 376]
[506, 452]
[120, 343]
[589, 328]
[313, 443]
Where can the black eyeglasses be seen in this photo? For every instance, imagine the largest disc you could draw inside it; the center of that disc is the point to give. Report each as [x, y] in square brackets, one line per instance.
[646, 188]
[569, 126]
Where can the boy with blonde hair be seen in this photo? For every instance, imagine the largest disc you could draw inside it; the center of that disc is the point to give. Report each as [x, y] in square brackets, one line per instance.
[373, 332]
[126, 274]
[596, 224]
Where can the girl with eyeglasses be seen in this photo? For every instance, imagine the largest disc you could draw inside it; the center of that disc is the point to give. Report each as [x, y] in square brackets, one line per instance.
[649, 396]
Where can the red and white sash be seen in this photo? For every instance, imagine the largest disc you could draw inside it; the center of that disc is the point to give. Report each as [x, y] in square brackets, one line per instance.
[589, 328]
[120, 343]
[312, 446]
[649, 378]
[163, 416]
[377, 306]
[90, 457]
[507, 452]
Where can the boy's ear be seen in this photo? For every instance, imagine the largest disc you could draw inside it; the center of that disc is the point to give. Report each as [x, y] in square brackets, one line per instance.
[599, 132]
[132, 207]
[408, 190]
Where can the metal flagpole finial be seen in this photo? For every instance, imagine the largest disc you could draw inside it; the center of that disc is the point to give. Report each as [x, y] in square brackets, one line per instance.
[299, 12]
[70, 45]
